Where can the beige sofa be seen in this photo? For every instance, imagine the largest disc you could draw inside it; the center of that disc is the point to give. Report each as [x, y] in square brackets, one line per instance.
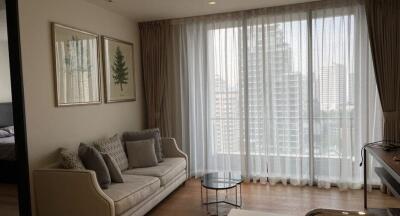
[76, 192]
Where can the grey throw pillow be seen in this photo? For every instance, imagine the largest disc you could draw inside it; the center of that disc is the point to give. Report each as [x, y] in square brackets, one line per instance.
[93, 160]
[70, 159]
[146, 134]
[141, 153]
[113, 169]
[113, 147]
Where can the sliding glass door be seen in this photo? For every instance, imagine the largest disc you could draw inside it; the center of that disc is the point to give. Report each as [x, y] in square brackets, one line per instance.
[277, 92]
[226, 93]
[342, 80]
[288, 95]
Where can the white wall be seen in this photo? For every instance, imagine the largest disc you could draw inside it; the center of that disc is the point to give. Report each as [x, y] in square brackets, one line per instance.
[5, 82]
[49, 127]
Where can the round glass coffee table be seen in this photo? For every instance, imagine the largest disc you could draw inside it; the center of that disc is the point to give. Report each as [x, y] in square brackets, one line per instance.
[222, 181]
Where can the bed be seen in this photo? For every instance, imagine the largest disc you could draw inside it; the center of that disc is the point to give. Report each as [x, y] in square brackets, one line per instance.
[8, 164]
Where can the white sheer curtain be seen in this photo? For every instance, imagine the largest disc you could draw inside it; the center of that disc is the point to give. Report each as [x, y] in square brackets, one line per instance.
[212, 75]
[344, 93]
[277, 83]
[281, 94]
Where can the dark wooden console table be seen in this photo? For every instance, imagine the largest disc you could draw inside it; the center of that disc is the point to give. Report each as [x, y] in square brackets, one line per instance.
[389, 174]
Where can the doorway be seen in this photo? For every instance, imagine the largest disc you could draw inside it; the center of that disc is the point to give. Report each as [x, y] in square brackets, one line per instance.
[14, 170]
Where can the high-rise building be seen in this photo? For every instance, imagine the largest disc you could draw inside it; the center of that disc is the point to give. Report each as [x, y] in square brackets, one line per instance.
[275, 94]
[226, 123]
[332, 87]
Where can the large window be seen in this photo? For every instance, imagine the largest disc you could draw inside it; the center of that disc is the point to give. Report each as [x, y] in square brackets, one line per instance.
[226, 71]
[287, 95]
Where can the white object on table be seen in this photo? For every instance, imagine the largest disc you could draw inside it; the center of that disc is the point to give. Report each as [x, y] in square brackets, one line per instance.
[241, 212]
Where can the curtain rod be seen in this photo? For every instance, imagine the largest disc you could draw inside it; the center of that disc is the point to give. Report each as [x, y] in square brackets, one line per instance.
[317, 4]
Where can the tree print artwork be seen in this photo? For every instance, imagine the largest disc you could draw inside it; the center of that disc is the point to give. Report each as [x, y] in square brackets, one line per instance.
[120, 70]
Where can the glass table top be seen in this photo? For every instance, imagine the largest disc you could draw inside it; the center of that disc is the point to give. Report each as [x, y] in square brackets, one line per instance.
[221, 180]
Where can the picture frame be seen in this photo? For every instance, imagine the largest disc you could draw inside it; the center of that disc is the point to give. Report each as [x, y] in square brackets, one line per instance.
[118, 70]
[76, 65]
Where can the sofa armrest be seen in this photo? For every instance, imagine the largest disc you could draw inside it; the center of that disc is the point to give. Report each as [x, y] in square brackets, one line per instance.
[70, 192]
[171, 149]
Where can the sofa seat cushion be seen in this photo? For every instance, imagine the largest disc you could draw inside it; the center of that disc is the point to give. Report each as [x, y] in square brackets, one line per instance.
[130, 193]
[165, 170]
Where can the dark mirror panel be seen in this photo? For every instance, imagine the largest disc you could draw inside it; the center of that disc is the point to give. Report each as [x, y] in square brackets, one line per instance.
[8, 162]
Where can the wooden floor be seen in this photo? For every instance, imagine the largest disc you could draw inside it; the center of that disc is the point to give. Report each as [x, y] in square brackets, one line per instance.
[287, 200]
[8, 200]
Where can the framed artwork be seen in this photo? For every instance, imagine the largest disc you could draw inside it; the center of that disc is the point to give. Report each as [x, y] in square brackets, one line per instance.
[76, 60]
[119, 75]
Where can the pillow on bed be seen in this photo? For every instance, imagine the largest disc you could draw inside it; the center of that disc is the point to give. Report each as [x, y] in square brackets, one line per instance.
[4, 133]
[9, 129]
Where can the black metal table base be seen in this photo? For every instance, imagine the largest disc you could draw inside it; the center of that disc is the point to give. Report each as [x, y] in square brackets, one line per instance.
[226, 202]
[216, 202]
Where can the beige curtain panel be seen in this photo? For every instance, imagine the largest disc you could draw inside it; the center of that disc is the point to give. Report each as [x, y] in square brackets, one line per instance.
[154, 36]
[383, 18]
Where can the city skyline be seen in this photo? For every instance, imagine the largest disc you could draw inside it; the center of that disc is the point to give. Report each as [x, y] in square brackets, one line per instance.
[284, 106]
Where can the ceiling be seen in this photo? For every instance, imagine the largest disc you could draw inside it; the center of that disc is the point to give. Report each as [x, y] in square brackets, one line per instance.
[146, 10]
